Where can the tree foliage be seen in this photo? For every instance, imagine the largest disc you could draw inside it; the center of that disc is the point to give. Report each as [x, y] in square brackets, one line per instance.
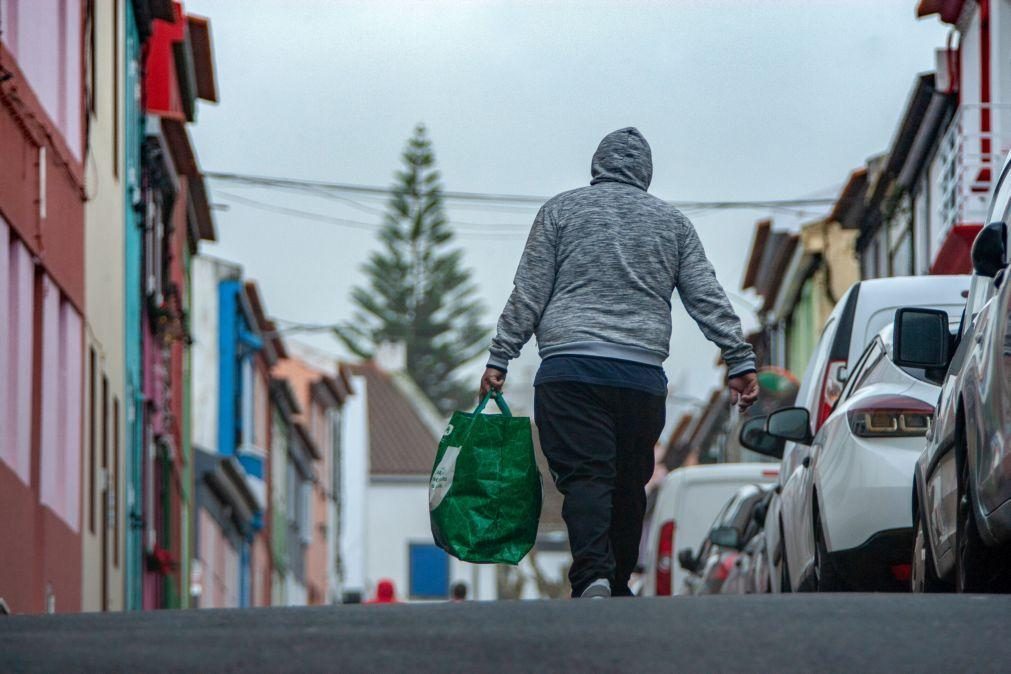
[418, 291]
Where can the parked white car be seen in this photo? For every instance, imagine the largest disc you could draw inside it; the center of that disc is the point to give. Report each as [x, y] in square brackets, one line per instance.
[866, 308]
[849, 502]
[689, 500]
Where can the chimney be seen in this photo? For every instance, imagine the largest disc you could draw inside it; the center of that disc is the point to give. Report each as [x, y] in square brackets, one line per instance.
[391, 356]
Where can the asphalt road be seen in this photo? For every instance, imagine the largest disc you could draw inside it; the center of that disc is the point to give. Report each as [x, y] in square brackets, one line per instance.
[852, 633]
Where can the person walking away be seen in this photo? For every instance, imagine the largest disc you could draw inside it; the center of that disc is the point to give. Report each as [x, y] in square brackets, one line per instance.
[595, 284]
[458, 593]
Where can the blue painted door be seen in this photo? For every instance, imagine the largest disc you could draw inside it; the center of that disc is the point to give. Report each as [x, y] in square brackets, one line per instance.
[429, 572]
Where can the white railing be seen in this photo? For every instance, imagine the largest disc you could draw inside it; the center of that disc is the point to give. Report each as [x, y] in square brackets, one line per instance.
[970, 161]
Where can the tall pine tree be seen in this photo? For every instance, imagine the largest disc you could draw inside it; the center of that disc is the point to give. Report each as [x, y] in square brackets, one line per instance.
[418, 292]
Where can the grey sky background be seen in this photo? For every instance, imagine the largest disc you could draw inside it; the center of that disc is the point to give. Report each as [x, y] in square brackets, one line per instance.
[739, 99]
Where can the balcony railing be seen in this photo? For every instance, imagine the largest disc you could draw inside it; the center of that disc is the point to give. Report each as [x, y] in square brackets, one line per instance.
[970, 160]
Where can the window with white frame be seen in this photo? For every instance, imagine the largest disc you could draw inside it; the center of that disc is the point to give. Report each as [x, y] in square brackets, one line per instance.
[17, 332]
[62, 390]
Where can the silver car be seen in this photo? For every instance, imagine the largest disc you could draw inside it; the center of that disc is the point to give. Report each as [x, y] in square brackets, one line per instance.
[962, 486]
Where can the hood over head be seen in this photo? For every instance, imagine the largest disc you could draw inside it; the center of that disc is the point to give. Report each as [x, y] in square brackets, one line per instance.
[623, 157]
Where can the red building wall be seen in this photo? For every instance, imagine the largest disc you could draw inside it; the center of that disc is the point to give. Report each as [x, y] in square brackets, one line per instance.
[42, 202]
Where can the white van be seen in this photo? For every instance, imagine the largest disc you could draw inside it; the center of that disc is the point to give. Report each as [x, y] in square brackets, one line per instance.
[688, 501]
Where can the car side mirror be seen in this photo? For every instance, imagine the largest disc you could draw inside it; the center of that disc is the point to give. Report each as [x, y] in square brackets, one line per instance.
[790, 423]
[921, 338]
[989, 250]
[687, 560]
[754, 437]
[725, 537]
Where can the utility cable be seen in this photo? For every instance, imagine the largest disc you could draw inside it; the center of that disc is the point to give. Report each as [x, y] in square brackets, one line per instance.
[290, 183]
[367, 226]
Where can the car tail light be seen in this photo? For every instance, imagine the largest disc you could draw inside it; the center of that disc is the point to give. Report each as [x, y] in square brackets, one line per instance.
[665, 558]
[771, 472]
[722, 569]
[890, 416]
[902, 572]
[831, 388]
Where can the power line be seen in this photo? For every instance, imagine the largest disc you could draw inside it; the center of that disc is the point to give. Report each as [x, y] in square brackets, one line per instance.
[463, 229]
[490, 232]
[265, 181]
[379, 211]
[298, 213]
[295, 183]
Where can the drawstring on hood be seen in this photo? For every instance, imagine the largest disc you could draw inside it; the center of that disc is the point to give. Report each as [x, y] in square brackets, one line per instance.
[623, 157]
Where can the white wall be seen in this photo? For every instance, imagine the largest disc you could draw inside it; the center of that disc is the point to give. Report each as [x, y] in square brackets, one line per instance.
[1000, 69]
[936, 225]
[206, 273]
[969, 66]
[921, 224]
[104, 241]
[354, 481]
[397, 517]
[295, 592]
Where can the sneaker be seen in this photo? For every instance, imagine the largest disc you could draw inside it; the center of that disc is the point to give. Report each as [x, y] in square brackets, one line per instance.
[598, 589]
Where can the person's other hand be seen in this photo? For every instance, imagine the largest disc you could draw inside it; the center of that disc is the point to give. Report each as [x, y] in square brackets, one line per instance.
[491, 379]
[743, 390]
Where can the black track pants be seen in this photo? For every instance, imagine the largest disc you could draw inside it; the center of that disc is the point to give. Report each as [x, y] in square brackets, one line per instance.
[599, 441]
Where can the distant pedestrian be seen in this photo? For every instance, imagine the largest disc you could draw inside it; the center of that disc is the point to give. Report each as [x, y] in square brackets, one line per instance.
[595, 284]
[459, 592]
[386, 593]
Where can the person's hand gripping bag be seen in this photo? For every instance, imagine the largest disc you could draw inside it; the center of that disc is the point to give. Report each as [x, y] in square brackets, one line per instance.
[485, 495]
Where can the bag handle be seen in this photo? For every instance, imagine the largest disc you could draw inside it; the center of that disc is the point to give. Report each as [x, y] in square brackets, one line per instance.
[499, 400]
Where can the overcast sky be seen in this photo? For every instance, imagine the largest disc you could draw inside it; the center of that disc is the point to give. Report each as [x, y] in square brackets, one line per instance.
[739, 99]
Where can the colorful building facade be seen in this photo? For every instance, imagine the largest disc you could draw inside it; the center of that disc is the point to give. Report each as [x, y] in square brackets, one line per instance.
[42, 302]
[235, 346]
[320, 388]
[174, 217]
[105, 380]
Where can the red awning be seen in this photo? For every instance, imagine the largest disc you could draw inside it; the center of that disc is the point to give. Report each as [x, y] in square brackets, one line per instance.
[203, 58]
[949, 10]
[954, 256]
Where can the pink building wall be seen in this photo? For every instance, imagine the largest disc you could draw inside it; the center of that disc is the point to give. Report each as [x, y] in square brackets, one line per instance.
[219, 566]
[45, 36]
[42, 210]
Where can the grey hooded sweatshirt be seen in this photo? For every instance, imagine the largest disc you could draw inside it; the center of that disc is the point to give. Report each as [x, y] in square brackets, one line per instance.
[601, 265]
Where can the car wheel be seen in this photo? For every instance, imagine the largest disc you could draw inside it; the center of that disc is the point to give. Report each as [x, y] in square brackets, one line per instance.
[825, 577]
[977, 567]
[924, 574]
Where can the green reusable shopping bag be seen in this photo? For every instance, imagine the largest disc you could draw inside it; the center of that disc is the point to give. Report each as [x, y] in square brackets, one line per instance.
[484, 497]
